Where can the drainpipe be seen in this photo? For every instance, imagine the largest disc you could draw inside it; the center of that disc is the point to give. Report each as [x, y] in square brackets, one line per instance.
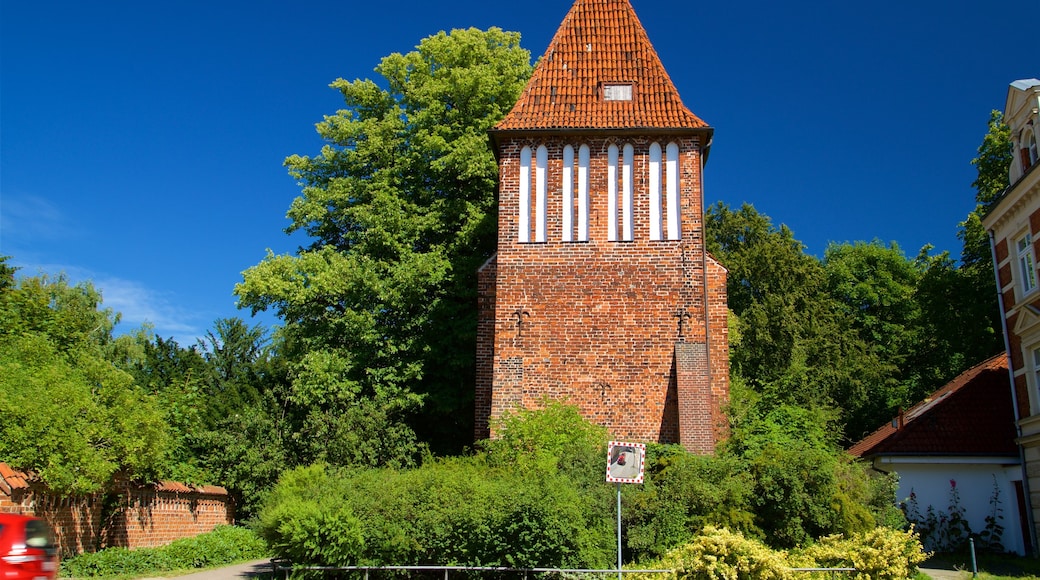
[1014, 397]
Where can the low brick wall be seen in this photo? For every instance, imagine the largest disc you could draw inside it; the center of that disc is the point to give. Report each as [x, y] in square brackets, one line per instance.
[129, 515]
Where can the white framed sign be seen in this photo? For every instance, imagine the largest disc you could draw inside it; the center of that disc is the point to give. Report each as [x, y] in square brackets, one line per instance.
[625, 462]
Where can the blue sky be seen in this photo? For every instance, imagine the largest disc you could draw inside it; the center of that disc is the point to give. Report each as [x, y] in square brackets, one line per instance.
[141, 143]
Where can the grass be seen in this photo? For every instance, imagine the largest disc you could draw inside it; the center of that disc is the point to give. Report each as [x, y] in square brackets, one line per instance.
[990, 566]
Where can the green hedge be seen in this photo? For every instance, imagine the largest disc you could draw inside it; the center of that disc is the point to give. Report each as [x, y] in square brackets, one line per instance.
[450, 512]
[224, 545]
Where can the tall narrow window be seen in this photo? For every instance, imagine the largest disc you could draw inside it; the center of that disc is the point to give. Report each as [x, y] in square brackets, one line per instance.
[654, 187]
[1036, 368]
[672, 180]
[567, 223]
[612, 205]
[583, 193]
[627, 227]
[541, 195]
[1026, 264]
[524, 213]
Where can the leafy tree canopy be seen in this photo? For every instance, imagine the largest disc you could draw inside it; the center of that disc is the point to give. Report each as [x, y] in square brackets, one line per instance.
[70, 414]
[400, 207]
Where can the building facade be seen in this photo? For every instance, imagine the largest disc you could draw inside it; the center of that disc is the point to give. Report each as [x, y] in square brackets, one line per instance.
[960, 438]
[1013, 224]
[601, 292]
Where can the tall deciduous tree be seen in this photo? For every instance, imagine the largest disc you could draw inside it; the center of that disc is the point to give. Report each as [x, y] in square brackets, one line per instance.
[379, 308]
[69, 413]
[960, 311]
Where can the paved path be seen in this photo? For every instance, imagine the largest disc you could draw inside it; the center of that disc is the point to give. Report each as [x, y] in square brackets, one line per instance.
[238, 571]
[943, 574]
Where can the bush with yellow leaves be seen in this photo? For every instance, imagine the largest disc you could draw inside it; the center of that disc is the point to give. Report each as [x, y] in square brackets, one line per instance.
[718, 554]
[879, 554]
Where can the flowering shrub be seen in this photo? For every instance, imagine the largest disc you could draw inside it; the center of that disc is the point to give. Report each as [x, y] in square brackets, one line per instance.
[948, 531]
[718, 554]
[724, 555]
[880, 554]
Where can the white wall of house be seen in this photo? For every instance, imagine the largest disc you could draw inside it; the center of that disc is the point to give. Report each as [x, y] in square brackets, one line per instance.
[929, 479]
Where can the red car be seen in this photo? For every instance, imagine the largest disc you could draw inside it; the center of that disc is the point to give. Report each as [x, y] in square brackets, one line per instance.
[27, 550]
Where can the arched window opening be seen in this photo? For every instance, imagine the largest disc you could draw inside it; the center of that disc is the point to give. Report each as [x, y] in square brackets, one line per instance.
[541, 193]
[627, 227]
[524, 201]
[654, 191]
[612, 193]
[567, 202]
[583, 193]
[672, 188]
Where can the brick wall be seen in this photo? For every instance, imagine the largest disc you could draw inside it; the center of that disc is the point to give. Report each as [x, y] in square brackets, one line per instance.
[600, 323]
[130, 516]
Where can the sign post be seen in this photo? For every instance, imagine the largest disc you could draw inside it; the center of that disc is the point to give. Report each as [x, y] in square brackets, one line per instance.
[624, 465]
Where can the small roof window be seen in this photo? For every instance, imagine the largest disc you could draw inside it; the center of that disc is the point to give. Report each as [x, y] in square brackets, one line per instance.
[617, 91]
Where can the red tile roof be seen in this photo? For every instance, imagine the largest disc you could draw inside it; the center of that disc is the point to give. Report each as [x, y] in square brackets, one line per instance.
[599, 42]
[970, 415]
[11, 479]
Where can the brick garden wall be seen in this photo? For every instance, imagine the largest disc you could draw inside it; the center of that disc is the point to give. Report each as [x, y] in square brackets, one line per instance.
[132, 516]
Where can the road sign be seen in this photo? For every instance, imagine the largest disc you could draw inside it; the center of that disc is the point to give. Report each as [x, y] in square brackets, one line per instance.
[625, 462]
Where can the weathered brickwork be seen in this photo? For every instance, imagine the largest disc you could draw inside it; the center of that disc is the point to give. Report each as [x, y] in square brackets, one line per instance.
[130, 516]
[606, 325]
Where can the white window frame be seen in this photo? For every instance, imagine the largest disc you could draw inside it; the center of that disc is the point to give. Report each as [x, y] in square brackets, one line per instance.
[1026, 263]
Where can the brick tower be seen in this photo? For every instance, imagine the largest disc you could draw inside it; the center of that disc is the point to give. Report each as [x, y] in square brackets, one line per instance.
[601, 292]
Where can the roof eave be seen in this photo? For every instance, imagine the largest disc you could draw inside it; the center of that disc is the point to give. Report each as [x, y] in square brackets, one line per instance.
[496, 136]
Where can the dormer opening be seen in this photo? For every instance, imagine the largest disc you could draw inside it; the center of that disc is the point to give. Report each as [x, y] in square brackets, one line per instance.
[616, 91]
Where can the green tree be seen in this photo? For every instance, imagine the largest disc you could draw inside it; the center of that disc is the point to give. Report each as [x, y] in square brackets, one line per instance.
[378, 308]
[69, 413]
[233, 352]
[960, 314]
[798, 344]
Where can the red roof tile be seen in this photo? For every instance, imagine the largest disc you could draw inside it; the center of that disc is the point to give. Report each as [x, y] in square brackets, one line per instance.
[599, 42]
[178, 487]
[13, 478]
[970, 415]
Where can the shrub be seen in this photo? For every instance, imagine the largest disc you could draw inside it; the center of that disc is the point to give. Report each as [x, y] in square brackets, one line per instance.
[879, 554]
[449, 512]
[224, 545]
[536, 498]
[308, 522]
[681, 494]
[718, 553]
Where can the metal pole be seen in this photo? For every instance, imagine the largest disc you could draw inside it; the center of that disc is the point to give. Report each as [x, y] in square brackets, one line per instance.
[974, 566]
[618, 530]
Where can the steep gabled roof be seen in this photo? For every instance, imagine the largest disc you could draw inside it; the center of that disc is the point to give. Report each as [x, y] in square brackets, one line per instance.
[600, 42]
[970, 415]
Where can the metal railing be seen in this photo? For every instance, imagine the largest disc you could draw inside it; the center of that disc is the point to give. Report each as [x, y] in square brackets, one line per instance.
[287, 568]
